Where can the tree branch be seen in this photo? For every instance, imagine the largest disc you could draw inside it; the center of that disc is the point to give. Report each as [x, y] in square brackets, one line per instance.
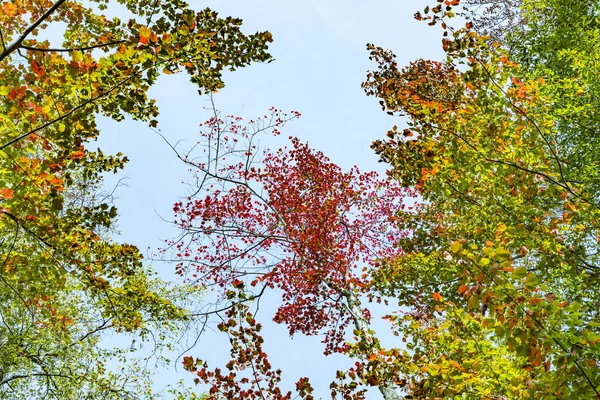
[69, 113]
[73, 49]
[18, 43]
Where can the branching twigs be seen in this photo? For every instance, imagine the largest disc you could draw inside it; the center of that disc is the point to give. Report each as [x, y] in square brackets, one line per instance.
[294, 219]
[19, 41]
[11, 378]
[534, 123]
[67, 114]
[8, 253]
[228, 307]
[59, 50]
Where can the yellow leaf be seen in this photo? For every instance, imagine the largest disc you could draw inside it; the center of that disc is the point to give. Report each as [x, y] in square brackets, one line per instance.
[144, 34]
[455, 247]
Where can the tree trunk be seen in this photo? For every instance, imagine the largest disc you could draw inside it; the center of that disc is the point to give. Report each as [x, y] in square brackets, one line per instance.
[360, 322]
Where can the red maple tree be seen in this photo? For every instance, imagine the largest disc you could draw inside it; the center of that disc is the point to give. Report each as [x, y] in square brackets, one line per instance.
[290, 220]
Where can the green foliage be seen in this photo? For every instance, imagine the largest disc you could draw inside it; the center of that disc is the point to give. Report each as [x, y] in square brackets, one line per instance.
[63, 281]
[500, 270]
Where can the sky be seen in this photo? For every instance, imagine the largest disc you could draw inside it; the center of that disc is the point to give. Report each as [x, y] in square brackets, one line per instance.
[320, 63]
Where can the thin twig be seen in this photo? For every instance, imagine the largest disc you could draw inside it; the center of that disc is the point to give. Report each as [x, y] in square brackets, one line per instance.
[18, 43]
[96, 46]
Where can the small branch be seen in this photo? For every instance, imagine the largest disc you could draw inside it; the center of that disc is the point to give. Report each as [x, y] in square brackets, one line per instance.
[2, 41]
[3, 279]
[251, 298]
[60, 118]
[73, 49]
[535, 125]
[45, 375]
[18, 43]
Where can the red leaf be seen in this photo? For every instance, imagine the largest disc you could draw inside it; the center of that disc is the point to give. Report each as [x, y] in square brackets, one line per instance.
[37, 69]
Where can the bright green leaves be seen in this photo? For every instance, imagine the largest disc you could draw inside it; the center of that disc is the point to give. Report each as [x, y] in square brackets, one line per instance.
[502, 147]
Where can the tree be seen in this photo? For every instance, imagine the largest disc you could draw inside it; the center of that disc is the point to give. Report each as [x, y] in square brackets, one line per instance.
[293, 221]
[63, 281]
[495, 18]
[500, 270]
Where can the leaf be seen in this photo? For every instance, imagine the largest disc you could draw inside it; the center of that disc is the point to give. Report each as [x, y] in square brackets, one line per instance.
[77, 155]
[488, 322]
[455, 247]
[37, 69]
[145, 34]
[535, 300]
[520, 272]
[6, 193]
[531, 281]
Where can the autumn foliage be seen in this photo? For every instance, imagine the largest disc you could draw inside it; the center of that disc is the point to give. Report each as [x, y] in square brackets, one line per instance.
[494, 270]
[482, 238]
[64, 281]
[500, 271]
[289, 220]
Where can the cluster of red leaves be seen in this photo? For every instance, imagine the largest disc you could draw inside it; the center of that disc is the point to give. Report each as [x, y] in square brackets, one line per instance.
[249, 374]
[292, 221]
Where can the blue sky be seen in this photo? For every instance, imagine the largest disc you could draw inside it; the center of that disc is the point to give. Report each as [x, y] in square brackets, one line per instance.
[320, 62]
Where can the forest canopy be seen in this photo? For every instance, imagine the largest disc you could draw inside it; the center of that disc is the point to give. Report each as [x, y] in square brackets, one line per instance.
[479, 244]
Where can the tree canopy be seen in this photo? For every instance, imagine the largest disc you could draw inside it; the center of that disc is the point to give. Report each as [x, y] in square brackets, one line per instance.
[495, 269]
[481, 244]
[501, 267]
[63, 280]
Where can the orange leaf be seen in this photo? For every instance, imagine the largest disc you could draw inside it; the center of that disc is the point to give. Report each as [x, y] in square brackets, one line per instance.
[463, 289]
[6, 193]
[46, 145]
[77, 155]
[437, 297]
[9, 9]
[533, 301]
[144, 35]
[37, 68]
